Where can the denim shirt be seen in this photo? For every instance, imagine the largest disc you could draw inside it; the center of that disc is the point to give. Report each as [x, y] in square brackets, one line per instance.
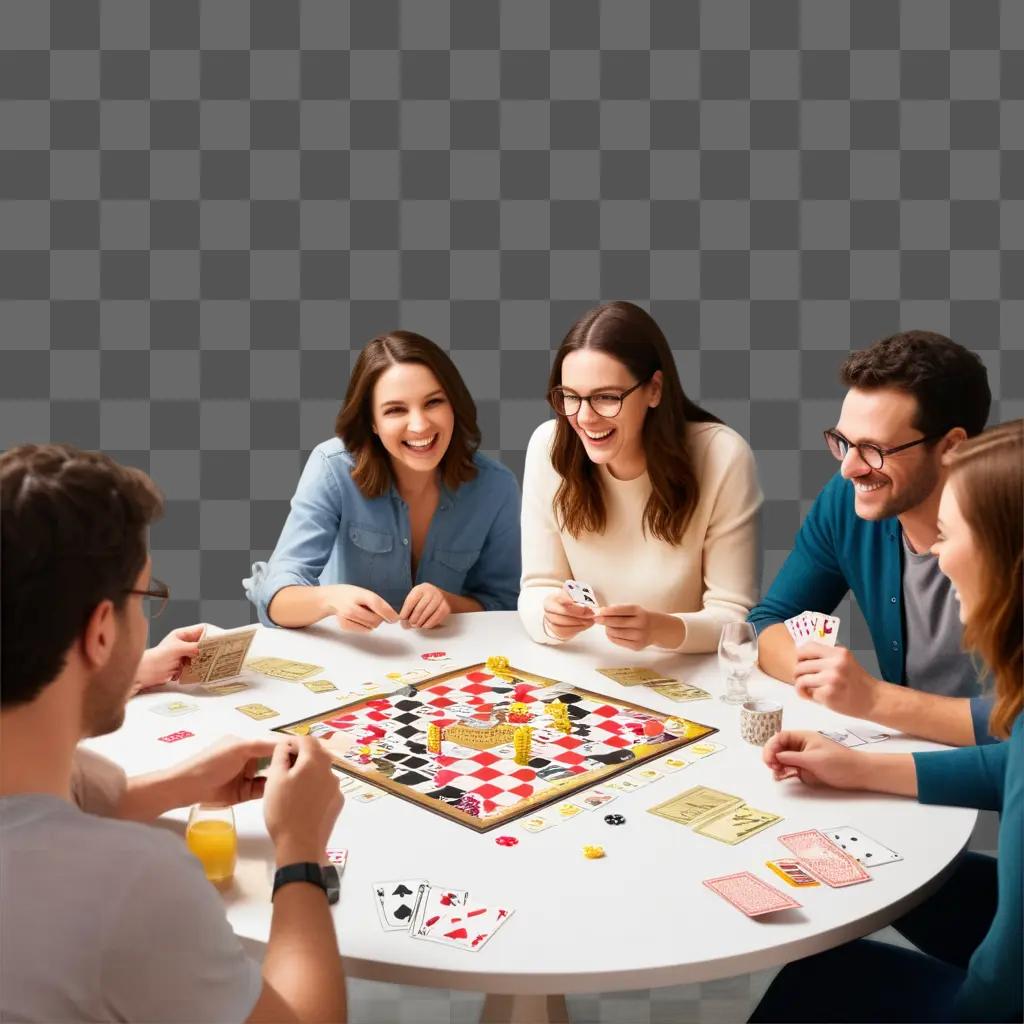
[334, 534]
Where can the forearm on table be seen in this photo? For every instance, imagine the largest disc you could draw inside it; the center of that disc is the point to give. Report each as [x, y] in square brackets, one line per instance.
[776, 652]
[463, 603]
[296, 606]
[302, 962]
[928, 715]
[148, 796]
[887, 773]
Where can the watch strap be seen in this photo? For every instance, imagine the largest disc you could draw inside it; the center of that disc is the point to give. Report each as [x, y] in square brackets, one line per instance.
[304, 871]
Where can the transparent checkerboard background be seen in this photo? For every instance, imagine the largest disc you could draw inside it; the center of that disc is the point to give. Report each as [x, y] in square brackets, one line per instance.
[206, 208]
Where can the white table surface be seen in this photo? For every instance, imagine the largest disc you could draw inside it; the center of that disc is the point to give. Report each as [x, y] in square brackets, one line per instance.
[639, 918]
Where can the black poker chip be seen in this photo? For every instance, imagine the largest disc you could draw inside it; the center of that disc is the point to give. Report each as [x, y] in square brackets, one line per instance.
[615, 819]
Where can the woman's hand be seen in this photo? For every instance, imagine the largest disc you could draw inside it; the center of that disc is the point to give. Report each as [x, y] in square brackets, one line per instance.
[357, 610]
[563, 618]
[632, 626]
[425, 607]
[814, 760]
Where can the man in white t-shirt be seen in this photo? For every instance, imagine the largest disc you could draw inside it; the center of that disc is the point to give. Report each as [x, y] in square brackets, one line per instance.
[105, 919]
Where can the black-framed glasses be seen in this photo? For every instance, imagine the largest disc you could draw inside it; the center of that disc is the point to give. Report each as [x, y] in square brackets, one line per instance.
[872, 454]
[605, 403]
[155, 598]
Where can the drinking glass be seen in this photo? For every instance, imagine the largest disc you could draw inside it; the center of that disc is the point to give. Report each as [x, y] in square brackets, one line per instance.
[737, 656]
[211, 836]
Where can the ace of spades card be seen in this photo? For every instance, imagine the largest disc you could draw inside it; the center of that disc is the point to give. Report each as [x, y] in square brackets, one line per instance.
[395, 902]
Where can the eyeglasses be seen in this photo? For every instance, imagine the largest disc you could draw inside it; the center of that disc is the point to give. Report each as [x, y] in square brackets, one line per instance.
[871, 454]
[605, 403]
[154, 600]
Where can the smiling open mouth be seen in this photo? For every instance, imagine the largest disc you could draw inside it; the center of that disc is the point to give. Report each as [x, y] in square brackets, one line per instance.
[422, 447]
[599, 436]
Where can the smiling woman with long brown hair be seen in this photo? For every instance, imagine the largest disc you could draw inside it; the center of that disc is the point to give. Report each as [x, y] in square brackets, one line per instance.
[969, 933]
[638, 492]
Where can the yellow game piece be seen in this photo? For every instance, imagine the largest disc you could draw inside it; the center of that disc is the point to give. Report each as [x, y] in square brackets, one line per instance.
[593, 852]
[522, 742]
[434, 738]
[497, 663]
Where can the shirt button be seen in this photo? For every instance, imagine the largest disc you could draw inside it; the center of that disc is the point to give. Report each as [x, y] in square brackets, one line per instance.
[893, 599]
[405, 540]
[895, 645]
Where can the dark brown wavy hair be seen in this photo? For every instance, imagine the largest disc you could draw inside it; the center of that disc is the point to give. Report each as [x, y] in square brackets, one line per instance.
[629, 334]
[372, 473]
[987, 476]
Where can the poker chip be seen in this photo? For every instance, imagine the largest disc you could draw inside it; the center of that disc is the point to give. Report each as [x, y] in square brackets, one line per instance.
[615, 819]
[507, 841]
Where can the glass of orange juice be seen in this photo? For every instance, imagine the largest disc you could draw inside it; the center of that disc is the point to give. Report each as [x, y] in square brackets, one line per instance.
[211, 836]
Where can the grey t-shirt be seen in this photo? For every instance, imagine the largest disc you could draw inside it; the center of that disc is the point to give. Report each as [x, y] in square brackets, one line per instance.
[935, 660]
[108, 920]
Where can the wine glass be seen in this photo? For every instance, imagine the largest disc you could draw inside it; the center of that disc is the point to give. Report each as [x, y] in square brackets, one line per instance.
[737, 656]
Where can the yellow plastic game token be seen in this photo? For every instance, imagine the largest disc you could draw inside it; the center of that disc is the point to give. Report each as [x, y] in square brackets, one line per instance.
[497, 663]
[593, 852]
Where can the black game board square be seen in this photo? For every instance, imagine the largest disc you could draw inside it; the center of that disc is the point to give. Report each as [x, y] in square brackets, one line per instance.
[407, 704]
[408, 730]
[409, 779]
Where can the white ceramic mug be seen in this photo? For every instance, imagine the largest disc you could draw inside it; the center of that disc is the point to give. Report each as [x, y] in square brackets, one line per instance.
[760, 720]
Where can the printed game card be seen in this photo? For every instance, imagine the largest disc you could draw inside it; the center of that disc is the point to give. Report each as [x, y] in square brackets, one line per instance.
[433, 903]
[537, 823]
[257, 711]
[338, 857]
[395, 902]
[825, 628]
[219, 657]
[819, 855]
[595, 798]
[800, 628]
[581, 593]
[705, 749]
[282, 668]
[671, 765]
[568, 810]
[789, 870]
[696, 805]
[635, 676]
[174, 708]
[469, 929]
[842, 736]
[318, 685]
[737, 824]
[173, 737]
[862, 848]
[681, 693]
[748, 893]
[223, 689]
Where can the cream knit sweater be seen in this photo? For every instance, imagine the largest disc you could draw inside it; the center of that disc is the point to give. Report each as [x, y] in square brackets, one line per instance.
[711, 577]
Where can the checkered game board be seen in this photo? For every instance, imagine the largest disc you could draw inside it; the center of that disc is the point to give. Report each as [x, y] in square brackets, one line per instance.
[482, 786]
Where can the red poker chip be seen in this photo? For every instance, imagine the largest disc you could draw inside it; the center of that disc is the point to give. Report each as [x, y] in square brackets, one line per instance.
[507, 841]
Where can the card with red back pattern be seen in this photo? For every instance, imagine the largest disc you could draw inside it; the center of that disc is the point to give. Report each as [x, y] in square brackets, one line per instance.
[823, 859]
[748, 893]
[173, 737]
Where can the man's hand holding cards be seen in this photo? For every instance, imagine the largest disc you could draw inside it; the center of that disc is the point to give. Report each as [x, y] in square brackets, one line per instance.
[832, 676]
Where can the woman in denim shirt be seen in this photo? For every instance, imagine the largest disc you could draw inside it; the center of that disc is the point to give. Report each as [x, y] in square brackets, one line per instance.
[398, 516]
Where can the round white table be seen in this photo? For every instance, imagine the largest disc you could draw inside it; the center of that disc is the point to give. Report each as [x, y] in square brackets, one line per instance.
[639, 918]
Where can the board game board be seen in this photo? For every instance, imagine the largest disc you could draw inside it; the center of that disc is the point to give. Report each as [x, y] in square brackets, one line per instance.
[450, 743]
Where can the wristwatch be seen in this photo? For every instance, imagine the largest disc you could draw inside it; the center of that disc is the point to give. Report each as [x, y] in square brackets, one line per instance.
[304, 871]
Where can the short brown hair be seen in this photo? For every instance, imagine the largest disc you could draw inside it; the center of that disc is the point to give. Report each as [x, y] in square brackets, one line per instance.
[987, 476]
[372, 473]
[629, 334]
[949, 382]
[73, 535]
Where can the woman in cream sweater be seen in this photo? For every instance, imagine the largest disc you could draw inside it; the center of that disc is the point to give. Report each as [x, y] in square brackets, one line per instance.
[638, 492]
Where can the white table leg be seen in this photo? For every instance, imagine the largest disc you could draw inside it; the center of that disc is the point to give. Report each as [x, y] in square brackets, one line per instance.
[501, 1009]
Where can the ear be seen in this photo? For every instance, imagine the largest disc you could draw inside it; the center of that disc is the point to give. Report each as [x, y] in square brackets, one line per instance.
[99, 636]
[953, 440]
[655, 386]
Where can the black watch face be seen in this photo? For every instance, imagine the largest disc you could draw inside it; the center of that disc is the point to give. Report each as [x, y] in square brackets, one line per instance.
[332, 882]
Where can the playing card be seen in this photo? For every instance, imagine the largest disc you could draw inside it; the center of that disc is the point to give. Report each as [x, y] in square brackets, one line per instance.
[872, 736]
[862, 848]
[433, 903]
[395, 902]
[705, 749]
[737, 824]
[581, 593]
[366, 795]
[645, 775]
[819, 855]
[696, 805]
[338, 857]
[748, 893]
[173, 737]
[469, 929]
[624, 785]
[257, 711]
[789, 870]
[218, 657]
[595, 798]
[174, 708]
[568, 810]
[537, 824]
[318, 685]
[633, 676]
[223, 689]
[282, 668]
[671, 765]
[843, 737]
[680, 692]
[801, 628]
[824, 627]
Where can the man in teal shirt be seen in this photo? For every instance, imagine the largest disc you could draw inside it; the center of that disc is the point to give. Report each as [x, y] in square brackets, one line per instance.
[912, 398]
